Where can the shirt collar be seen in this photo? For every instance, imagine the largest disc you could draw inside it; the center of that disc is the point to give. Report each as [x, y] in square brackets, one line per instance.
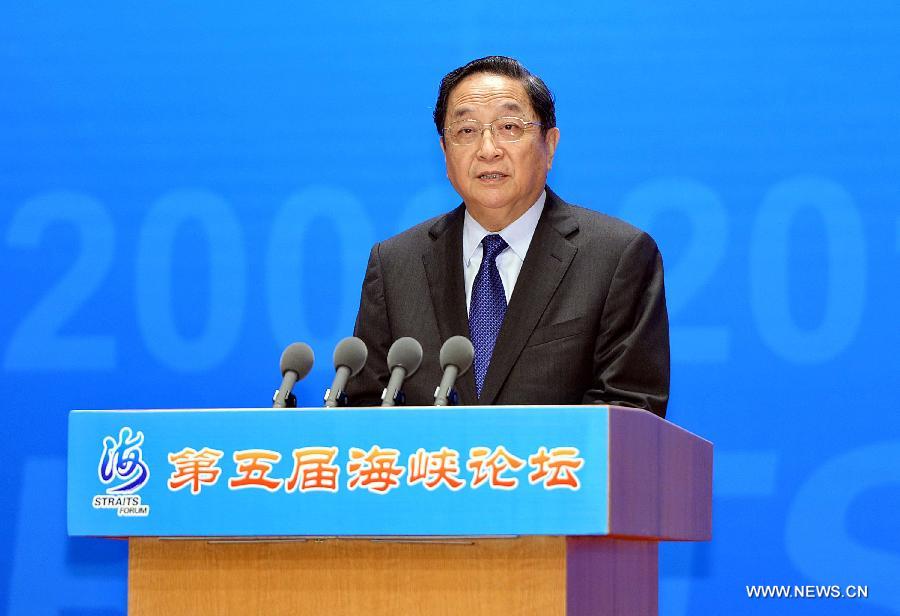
[517, 234]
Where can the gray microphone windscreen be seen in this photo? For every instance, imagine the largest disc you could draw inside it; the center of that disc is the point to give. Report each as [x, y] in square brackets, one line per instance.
[352, 353]
[297, 357]
[406, 352]
[457, 351]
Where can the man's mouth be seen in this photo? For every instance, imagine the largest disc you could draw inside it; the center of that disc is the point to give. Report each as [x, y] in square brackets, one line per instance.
[491, 176]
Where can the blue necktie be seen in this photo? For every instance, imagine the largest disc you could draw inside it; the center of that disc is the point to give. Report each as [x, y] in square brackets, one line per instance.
[487, 307]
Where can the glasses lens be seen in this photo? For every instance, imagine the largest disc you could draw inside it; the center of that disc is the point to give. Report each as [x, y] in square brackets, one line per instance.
[508, 129]
[464, 132]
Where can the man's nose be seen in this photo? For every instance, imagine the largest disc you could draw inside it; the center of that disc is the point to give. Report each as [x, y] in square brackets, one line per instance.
[487, 149]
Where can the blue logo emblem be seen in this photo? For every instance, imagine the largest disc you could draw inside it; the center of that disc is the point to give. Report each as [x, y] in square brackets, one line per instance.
[122, 461]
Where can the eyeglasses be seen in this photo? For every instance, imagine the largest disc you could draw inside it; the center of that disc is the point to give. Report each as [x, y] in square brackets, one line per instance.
[504, 130]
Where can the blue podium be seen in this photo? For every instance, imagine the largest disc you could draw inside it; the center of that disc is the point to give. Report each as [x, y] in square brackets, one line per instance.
[414, 510]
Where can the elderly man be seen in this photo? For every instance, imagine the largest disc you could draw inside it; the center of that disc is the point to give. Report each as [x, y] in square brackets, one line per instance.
[564, 305]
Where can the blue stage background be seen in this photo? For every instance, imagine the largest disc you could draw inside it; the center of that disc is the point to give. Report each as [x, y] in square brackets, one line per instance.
[184, 190]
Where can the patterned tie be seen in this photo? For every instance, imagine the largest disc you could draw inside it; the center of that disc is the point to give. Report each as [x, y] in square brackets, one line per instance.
[487, 307]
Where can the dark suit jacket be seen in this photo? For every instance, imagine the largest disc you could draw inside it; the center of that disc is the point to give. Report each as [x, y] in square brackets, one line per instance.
[586, 322]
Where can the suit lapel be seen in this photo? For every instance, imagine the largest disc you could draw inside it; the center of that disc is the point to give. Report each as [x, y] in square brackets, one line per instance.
[443, 267]
[549, 256]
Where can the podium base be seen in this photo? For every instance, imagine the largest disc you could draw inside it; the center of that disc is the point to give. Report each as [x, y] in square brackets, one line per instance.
[550, 576]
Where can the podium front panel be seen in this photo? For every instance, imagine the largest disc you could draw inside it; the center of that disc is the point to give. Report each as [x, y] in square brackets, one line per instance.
[350, 472]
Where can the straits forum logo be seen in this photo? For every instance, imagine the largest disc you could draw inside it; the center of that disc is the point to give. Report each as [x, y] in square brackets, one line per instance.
[122, 465]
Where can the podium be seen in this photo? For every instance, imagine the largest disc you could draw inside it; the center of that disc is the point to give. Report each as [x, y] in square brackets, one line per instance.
[417, 510]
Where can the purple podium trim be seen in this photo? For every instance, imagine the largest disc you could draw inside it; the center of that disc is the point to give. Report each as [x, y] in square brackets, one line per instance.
[611, 577]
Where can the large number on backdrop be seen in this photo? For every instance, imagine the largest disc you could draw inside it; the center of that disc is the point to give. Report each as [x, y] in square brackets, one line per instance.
[707, 233]
[316, 255]
[40, 342]
[843, 247]
[316, 260]
[222, 236]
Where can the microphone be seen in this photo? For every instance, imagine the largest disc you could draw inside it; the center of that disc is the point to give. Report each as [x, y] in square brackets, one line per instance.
[404, 358]
[456, 359]
[296, 362]
[349, 358]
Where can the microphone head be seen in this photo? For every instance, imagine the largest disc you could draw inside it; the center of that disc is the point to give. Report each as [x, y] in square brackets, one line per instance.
[406, 352]
[352, 353]
[297, 357]
[457, 351]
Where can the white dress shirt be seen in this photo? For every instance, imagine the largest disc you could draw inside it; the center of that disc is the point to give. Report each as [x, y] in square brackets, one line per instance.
[518, 235]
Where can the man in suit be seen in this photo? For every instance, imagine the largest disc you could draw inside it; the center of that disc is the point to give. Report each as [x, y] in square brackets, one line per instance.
[564, 305]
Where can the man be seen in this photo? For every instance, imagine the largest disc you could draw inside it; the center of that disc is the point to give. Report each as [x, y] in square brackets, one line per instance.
[563, 305]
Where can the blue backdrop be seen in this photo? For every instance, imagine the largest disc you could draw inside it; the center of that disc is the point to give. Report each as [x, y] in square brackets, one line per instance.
[186, 189]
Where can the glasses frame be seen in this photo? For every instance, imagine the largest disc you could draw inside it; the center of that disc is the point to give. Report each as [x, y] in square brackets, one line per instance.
[489, 125]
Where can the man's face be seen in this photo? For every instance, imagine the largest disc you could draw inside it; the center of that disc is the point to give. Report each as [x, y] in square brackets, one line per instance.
[498, 181]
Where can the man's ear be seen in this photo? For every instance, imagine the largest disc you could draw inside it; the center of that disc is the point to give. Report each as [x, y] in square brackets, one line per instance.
[444, 150]
[551, 140]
